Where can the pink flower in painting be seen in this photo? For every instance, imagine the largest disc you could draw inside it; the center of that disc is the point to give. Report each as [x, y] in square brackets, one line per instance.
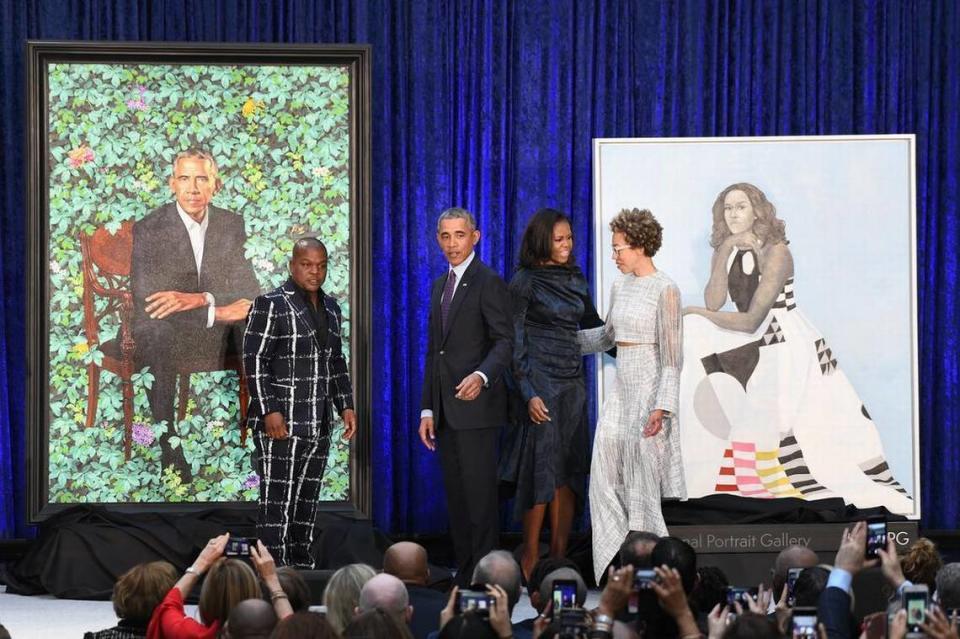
[252, 481]
[142, 434]
[140, 104]
[80, 156]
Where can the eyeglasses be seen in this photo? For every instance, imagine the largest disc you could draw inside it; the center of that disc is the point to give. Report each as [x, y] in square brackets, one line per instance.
[622, 247]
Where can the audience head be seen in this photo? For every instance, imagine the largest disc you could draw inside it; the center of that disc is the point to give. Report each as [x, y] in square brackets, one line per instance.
[921, 563]
[376, 624]
[4, 633]
[228, 582]
[139, 590]
[540, 570]
[343, 593]
[948, 586]
[678, 554]
[791, 557]
[500, 568]
[752, 626]
[250, 619]
[711, 589]
[636, 548]
[387, 593]
[469, 625]
[546, 586]
[304, 624]
[294, 586]
[811, 582]
[407, 562]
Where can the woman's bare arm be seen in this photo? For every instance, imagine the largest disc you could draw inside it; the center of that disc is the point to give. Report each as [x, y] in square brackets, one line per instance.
[777, 268]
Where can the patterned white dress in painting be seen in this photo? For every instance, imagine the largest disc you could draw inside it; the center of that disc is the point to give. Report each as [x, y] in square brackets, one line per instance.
[630, 473]
[771, 414]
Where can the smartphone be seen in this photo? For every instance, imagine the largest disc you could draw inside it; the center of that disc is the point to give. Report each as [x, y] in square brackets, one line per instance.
[564, 594]
[803, 622]
[238, 547]
[573, 621]
[477, 600]
[915, 602]
[876, 538]
[644, 579]
[742, 595]
[792, 575]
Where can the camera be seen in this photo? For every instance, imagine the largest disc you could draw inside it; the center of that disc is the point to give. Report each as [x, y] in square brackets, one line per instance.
[876, 538]
[573, 623]
[743, 595]
[915, 602]
[239, 547]
[474, 599]
[644, 579]
[803, 622]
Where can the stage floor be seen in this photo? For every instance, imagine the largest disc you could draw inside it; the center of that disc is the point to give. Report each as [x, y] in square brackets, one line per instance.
[45, 616]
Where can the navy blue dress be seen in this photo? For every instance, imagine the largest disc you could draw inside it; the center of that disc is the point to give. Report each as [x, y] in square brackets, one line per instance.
[550, 304]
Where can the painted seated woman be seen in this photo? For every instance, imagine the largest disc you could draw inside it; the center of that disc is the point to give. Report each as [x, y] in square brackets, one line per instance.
[768, 409]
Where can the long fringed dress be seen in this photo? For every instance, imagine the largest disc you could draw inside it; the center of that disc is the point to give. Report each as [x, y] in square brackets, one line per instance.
[630, 473]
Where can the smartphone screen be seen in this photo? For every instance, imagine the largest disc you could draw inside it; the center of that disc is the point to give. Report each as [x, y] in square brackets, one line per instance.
[237, 547]
[738, 594]
[804, 622]
[644, 579]
[915, 600]
[876, 538]
[476, 600]
[564, 594]
[792, 575]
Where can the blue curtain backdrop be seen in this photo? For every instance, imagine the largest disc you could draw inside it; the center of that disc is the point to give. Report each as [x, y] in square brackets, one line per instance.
[492, 105]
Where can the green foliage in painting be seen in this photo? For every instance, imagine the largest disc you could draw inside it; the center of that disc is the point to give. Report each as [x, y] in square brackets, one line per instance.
[280, 136]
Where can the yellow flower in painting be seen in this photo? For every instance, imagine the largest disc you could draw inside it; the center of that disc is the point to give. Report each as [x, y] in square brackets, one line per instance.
[81, 348]
[250, 107]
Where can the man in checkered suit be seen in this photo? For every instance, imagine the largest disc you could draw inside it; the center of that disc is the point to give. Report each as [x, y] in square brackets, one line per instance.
[297, 376]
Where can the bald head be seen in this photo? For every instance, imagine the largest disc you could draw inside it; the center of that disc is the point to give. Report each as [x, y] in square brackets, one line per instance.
[500, 568]
[308, 244]
[387, 593]
[251, 619]
[791, 557]
[407, 562]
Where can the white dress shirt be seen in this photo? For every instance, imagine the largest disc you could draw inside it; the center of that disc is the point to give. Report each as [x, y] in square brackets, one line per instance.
[198, 233]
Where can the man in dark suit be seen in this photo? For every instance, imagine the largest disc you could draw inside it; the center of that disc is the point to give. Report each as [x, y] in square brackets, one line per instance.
[192, 287]
[407, 562]
[297, 376]
[464, 399]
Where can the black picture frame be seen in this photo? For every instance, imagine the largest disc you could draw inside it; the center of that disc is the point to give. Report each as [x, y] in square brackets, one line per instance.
[40, 55]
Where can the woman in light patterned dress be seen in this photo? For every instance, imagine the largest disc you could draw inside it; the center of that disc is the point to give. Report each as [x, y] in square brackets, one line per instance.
[636, 449]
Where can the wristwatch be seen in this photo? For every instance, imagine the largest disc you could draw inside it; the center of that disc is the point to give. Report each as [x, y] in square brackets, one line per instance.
[192, 571]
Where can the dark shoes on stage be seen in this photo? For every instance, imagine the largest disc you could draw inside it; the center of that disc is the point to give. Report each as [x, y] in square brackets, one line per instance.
[170, 456]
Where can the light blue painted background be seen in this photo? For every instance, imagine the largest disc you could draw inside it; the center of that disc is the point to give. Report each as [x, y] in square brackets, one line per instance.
[847, 207]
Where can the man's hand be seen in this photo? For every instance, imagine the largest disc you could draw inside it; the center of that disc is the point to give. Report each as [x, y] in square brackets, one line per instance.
[617, 592]
[427, 436]
[890, 564]
[233, 312]
[349, 424]
[938, 626]
[165, 303]
[538, 411]
[276, 426]
[470, 387]
[851, 554]
[669, 589]
[654, 423]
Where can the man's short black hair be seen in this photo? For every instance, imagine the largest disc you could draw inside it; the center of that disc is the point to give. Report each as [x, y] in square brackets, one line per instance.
[544, 567]
[810, 583]
[308, 243]
[676, 553]
[628, 549]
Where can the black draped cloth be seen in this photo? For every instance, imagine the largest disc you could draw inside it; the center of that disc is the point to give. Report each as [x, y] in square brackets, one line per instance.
[550, 304]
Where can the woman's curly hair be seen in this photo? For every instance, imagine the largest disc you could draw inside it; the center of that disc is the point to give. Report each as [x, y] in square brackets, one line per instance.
[922, 562]
[768, 228]
[640, 229]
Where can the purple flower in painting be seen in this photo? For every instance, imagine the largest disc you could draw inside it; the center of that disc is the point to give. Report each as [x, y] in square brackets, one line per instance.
[142, 434]
[252, 481]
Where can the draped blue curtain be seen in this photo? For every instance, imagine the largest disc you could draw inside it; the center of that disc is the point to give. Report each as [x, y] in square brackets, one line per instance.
[492, 105]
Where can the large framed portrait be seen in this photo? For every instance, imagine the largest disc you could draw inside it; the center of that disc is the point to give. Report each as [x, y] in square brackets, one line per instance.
[795, 260]
[167, 185]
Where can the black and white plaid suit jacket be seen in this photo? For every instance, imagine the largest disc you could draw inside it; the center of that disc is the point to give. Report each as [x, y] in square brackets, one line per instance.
[288, 370]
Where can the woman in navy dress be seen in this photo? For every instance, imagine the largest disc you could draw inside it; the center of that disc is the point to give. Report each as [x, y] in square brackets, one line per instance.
[548, 458]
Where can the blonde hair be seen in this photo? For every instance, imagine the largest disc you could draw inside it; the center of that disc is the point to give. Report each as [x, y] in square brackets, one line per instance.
[342, 593]
[228, 582]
